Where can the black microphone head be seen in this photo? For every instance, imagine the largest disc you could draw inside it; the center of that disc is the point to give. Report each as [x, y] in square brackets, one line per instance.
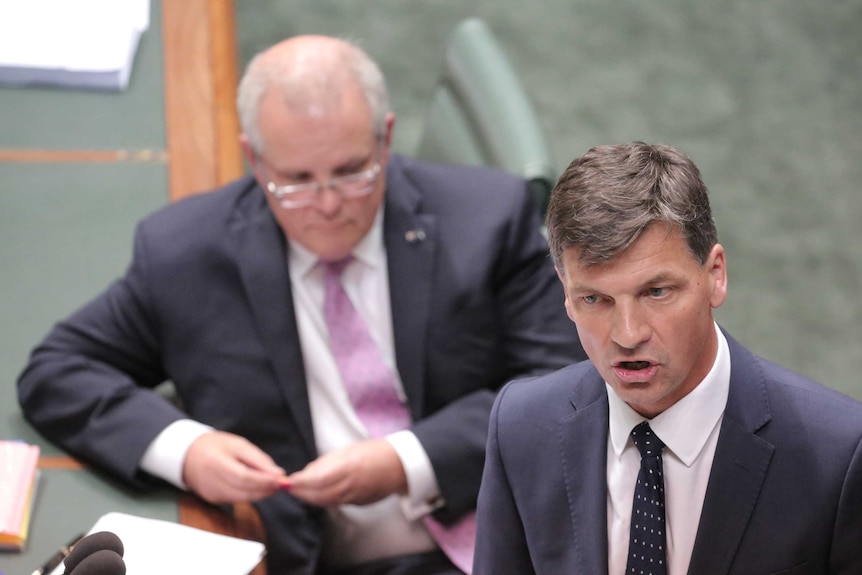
[101, 562]
[103, 540]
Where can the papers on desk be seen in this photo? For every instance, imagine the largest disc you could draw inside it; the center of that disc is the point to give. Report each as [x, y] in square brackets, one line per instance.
[18, 479]
[153, 546]
[87, 44]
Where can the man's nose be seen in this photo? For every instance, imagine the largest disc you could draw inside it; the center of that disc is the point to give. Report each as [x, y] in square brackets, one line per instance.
[329, 199]
[630, 327]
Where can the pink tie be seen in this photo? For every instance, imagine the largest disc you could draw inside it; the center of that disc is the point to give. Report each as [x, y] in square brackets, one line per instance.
[371, 387]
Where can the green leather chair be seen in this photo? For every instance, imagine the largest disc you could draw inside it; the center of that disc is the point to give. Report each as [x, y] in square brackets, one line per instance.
[480, 113]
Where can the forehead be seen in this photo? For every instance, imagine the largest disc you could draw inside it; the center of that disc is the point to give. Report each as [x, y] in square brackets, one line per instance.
[660, 253]
[315, 135]
[348, 108]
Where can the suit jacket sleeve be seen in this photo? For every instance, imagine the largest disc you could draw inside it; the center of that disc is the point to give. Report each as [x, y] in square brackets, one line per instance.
[501, 545]
[89, 385]
[847, 552]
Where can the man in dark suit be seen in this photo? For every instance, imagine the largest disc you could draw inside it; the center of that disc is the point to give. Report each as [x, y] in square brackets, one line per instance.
[746, 467]
[446, 265]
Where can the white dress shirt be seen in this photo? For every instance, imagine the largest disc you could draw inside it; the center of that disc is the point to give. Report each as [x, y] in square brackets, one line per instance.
[358, 533]
[689, 430]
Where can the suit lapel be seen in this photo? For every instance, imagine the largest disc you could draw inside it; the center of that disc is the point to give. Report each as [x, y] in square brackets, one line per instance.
[411, 243]
[261, 256]
[738, 470]
[583, 446]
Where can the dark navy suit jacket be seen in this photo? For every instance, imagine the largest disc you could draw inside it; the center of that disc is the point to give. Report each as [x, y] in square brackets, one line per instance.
[206, 303]
[784, 494]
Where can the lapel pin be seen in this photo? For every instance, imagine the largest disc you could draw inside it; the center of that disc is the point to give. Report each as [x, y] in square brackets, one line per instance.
[414, 236]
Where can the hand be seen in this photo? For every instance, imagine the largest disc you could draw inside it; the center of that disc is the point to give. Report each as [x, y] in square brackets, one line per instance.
[226, 468]
[360, 474]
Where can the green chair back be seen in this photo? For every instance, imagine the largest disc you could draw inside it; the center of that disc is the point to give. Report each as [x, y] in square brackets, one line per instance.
[480, 113]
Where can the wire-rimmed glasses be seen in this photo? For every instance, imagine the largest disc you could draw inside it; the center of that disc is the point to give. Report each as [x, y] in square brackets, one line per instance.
[348, 186]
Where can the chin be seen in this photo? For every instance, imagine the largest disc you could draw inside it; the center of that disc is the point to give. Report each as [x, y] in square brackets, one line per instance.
[642, 399]
[330, 251]
[332, 255]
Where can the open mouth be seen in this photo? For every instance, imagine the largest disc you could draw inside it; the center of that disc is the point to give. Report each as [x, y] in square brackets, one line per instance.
[635, 372]
[634, 365]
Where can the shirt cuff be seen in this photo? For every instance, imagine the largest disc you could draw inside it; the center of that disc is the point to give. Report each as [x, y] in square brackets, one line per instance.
[423, 493]
[164, 457]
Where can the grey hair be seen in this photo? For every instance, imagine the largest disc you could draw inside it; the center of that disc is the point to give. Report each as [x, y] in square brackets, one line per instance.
[609, 196]
[311, 78]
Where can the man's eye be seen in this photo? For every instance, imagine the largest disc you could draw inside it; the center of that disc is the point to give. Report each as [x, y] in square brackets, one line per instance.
[657, 291]
[349, 171]
[294, 179]
[591, 299]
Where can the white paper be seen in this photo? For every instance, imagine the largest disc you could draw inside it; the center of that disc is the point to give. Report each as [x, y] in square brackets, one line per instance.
[74, 43]
[166, 548]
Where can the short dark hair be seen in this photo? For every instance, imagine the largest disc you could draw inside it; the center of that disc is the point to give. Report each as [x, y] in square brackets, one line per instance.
[609, 196]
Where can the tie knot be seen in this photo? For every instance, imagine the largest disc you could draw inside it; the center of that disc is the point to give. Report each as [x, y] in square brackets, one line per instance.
[646, 441]
[334, 269]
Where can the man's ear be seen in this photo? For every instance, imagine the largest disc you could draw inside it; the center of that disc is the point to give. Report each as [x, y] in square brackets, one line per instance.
[253, 161]
[717, 263]
[247, 151]
[387, 136]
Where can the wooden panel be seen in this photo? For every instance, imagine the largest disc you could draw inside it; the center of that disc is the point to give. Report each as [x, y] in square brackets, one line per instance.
[200, 85]
[59, 462]
[80, 156]
[229, 163]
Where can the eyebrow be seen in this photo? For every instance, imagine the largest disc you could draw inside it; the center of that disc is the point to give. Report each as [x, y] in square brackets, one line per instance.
[352, 165]
[659, 278]
[349, 166]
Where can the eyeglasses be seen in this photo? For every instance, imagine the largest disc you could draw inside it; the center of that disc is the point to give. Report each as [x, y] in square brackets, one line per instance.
[349, 186]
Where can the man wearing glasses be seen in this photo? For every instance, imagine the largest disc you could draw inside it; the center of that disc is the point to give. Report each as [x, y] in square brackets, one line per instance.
[336, 325]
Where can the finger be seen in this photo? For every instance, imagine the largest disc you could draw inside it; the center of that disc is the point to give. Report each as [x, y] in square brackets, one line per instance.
[240, 476]
[216, 469]
[236, 487]
[322, 482]
[254, 457]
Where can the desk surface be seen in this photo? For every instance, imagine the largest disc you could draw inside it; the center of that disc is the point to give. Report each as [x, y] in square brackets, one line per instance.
[77, 170]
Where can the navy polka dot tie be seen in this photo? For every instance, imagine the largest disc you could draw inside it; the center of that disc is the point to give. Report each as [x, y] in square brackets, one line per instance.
[647, 554]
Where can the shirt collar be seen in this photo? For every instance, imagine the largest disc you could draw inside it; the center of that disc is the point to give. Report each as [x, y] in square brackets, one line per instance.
[369, 250]
[685, 426]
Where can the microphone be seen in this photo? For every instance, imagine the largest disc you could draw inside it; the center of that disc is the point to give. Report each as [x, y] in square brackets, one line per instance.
[96, 554]
[101, 562]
